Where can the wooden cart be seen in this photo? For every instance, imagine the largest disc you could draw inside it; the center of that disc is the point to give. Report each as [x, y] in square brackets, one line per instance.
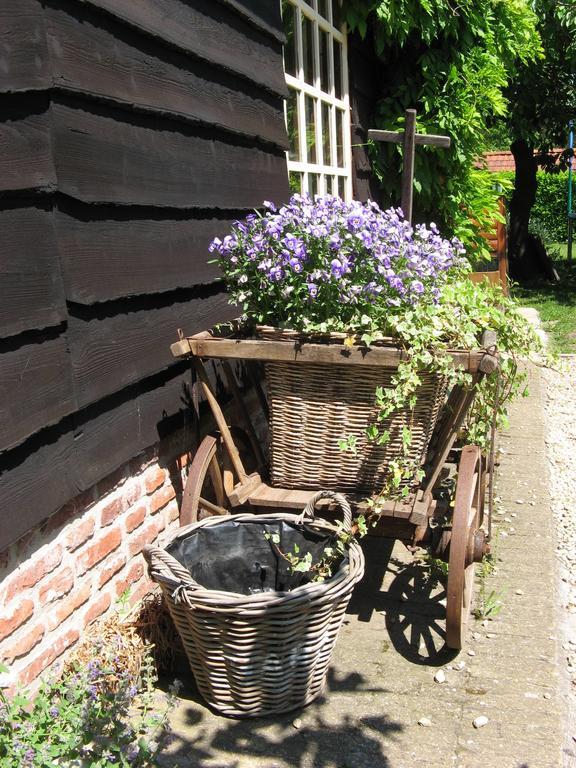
[228, 470]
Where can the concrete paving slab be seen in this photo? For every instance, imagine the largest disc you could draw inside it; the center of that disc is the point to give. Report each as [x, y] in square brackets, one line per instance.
[381, 682]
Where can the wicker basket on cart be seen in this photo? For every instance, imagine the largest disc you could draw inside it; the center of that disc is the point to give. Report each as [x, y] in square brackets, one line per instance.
[262, 653]
[314, 405]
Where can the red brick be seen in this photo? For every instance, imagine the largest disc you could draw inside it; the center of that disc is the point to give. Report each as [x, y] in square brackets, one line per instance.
[33, 572]
[56, 586]
[154, 478]
[173, 513]
[97, 608]
[141, 589]
[67, 607]
[132, 493]
[135, 518]
[23, 645]
[111, 569]
[96, 552]
[161, 498]
[81, 531]
[145, 535]
[135, 572]
[10, 623]
[57, 648]
[111, 512]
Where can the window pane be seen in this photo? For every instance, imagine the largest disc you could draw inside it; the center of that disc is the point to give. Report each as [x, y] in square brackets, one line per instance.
[313, 183]
[339, 138]
[337, 70]
[341, 187]
[326, 154]
[324, 61]
[310, 131]
[295, 180]
[308, 49]
[323, 6]
[292, 124]
[290, 46]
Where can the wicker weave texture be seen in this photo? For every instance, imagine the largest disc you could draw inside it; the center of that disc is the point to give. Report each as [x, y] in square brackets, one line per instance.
[313, 406]
[254, 655]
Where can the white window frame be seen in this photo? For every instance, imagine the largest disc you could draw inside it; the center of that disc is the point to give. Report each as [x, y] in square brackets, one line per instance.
[302, 88]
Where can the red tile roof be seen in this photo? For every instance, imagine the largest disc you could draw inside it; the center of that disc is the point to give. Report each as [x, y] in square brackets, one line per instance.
[504, 161]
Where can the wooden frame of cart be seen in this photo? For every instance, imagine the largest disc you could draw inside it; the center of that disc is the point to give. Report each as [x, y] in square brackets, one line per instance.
[454, 535]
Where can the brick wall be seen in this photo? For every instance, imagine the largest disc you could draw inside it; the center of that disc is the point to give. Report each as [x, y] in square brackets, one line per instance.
[68, 572]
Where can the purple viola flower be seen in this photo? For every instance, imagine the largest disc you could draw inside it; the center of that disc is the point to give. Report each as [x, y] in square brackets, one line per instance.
[336, 268]
[312, 290]
[417, 286]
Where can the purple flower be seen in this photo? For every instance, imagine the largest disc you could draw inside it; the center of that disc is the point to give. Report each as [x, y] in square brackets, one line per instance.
[417, 286]
[312, 290]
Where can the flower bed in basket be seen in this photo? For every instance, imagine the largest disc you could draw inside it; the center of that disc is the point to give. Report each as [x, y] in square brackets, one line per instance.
[332, 272]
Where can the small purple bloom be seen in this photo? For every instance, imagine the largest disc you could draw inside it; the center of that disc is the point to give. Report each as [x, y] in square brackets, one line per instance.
[312, 290]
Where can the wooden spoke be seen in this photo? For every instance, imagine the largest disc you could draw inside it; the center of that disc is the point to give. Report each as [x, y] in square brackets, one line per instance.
[211, 477]
[461, 562]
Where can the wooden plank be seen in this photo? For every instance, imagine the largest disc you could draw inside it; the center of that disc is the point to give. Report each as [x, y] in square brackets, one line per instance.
[24, 60]
[109, 434]
[30, 282]
[25, 150]
[110, 351]
[256, 349]
[108, 157]
[139, 72]
[419, 138]
[51, 468]
[208, 30]
[35, 481]
[262, 13]
[35, 386]
[110, 252]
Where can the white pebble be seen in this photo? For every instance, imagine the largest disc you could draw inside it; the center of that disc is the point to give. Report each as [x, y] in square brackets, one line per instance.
[471, 652]
[519, 592]
[440, 676]
[297, 723]
[425, 721]
[480, 722]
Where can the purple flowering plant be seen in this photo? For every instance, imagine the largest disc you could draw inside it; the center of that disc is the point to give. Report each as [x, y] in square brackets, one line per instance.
[324, 264]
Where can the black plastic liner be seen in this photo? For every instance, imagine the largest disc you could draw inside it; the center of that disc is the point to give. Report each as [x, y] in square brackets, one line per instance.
[236, 556]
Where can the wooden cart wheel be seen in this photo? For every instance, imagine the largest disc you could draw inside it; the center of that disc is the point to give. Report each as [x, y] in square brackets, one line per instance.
[466, 544]
[211, 478]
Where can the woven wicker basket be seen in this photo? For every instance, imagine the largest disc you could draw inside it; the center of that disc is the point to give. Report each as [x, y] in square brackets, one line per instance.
[264, 653]
[313, 406]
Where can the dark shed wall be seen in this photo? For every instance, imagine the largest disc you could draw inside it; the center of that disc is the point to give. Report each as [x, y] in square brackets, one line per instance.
[131, 133]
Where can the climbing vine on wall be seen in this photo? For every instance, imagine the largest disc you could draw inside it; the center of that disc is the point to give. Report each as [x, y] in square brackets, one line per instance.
[452, 62]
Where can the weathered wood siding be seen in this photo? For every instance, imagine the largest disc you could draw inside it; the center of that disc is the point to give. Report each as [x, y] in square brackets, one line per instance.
[131, 133]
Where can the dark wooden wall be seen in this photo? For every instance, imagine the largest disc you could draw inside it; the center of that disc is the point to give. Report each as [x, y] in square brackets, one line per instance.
[131, 133]
[365, 75]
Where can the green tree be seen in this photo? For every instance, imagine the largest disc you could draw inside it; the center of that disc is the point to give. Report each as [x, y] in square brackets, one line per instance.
[542, 99]
[452, 62]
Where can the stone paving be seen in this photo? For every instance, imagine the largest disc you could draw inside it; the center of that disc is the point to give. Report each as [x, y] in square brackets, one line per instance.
[381, 685]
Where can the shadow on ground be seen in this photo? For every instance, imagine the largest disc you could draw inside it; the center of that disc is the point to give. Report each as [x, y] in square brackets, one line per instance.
[352, 742]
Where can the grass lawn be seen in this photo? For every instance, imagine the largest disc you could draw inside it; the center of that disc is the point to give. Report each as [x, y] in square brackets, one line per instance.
[556, 302]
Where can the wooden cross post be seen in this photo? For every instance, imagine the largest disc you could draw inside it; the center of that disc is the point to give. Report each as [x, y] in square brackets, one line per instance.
[409, 138]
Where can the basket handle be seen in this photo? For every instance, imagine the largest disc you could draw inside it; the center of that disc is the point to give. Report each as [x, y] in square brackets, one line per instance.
[308, 515]
[167, 570]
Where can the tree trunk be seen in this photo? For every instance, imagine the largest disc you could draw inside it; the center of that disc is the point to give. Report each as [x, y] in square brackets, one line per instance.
[526, 254]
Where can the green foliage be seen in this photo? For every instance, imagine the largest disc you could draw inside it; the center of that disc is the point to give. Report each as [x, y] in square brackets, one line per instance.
[332, 554]
[548, 217]
[453, 63]
[542, 94]
[94, 715]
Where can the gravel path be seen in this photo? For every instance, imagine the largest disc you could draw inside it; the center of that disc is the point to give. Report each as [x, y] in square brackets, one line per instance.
[560, 411]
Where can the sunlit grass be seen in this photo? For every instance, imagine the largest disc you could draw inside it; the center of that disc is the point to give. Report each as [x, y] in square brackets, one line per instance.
[556, 303]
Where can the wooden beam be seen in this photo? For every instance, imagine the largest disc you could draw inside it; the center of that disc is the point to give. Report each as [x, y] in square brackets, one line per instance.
[420, 138]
